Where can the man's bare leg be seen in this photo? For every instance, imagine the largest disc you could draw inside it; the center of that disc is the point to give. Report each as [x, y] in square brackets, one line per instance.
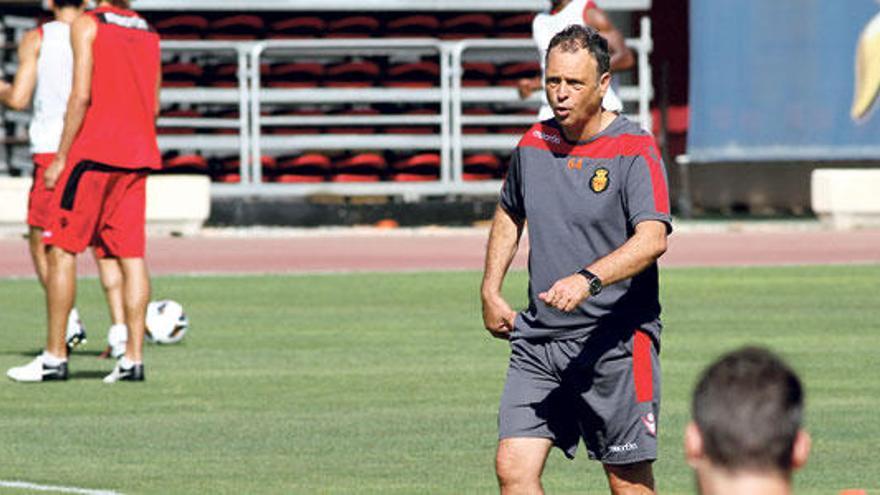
[60, 294]
[38, 254]
[519, 464]
[111, 281]
[630, 479]
[136, 296]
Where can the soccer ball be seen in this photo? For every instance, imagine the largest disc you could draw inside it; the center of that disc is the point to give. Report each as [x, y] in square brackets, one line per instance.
[166, 322]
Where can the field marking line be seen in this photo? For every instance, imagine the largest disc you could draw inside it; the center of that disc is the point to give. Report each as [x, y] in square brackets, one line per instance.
[24, 485]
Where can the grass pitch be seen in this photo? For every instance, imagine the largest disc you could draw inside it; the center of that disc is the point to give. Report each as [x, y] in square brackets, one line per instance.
[386, 383]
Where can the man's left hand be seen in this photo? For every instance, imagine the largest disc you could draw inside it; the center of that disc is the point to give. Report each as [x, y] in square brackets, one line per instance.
[566, 293]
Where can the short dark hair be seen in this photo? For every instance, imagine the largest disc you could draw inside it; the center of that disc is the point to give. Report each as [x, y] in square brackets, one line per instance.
[77, 4]
[748, 406]
[576, 37]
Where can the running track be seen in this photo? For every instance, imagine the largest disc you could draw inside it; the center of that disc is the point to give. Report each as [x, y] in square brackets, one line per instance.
[335, 250]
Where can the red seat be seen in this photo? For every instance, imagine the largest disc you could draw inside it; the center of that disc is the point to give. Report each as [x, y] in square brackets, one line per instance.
[188, 162]
[357, 26]
[467, 26]
[237, 27]
[480, 166]
[355, 178]
[297, 75]
[299, 179]
[352, 74]
[510, 74]
[473, 177]
[182, 27]
[362, 162]
[420, 167]
[305, 164]
[298, 27]
[181, 74]
[419, 26]
[413, 75]
[413, 178]
[478, 74]
[228, 178]
[515, 26]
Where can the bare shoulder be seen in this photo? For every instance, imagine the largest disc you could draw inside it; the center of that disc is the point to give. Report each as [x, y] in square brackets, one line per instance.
[30, 42]
[84, 24]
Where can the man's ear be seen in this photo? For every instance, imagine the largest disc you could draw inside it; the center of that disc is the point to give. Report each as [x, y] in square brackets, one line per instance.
[693, 444]
[801, 449]
[604, 82]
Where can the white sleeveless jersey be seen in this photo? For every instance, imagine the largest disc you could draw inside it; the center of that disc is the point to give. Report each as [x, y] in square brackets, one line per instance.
[54, 82]
[544, 28]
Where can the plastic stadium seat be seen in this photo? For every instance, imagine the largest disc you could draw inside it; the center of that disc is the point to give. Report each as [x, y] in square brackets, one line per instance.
[481, 166]
[415, 168]
[510, 74]
[228, 178]
[181, 74]
[355, 178]
[305, 163]
[298, 27]
[362, 162]
[189, 162]
[413, 75]
[477, 74]
[515, 26]
[297, 75]
[419, 26]
[352, 74]
[182, 27]
[299, 179]
[357, 26]
[467, 26]
[237, 27]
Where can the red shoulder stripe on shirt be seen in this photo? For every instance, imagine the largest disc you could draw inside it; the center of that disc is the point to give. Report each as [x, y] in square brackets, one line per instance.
[548, 138]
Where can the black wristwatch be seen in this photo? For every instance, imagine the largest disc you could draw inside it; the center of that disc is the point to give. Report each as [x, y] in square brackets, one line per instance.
[593, 282]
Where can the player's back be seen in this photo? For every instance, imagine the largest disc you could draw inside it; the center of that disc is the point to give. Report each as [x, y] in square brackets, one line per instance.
[54, 80]
[119, 128]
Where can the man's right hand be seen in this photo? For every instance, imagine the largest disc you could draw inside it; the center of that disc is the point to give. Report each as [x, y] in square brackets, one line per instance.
[53, 172]
[498, 316]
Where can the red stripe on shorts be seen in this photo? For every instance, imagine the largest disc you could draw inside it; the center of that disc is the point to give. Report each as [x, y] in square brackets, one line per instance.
[642, 370]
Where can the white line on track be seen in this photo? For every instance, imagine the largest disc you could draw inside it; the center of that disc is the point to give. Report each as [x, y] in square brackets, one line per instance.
[24, 485]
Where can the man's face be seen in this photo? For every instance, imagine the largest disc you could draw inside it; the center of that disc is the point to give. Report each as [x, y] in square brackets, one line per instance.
[573, 89]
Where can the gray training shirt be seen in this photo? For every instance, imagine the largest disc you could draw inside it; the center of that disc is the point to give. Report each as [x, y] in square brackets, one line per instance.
[582, 201]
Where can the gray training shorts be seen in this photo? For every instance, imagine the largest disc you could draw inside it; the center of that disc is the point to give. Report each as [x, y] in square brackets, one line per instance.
[603, 388]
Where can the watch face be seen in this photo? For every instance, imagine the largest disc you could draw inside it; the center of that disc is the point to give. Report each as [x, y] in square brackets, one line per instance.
[595, 285]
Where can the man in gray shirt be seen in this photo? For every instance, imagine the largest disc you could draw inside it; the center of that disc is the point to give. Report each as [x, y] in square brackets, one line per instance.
[584, 354]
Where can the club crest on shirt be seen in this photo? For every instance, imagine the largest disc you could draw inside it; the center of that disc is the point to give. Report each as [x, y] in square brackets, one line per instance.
[599, 181]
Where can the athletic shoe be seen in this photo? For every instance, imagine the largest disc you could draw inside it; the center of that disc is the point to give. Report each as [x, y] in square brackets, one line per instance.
[125, 372]
[39, 370]
[76, 331]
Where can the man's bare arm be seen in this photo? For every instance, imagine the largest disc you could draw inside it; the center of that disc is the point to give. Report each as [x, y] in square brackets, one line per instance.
[634, 256]
[621, 56]
[18, 95]
[82, 35]
[503, 242]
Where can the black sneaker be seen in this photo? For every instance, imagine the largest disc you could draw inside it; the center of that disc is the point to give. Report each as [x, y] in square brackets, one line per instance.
[135, 373]
[38, 371]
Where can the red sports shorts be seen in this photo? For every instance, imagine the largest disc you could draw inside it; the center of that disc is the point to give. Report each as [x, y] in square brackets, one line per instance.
[99, 205]
[40, 198]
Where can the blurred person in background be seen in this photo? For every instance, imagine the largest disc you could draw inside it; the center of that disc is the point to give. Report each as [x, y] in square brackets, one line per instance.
[562, 14]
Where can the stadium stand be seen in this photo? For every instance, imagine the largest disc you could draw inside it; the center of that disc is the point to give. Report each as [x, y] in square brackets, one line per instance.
[406, 99]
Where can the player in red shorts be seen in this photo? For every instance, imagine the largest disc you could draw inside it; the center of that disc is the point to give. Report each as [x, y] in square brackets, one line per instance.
[45, 74]
[98, 177]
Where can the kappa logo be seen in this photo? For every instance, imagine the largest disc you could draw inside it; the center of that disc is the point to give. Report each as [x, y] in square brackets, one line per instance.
[627, 447]
[546, 137]
[650, 423]
[599, 181]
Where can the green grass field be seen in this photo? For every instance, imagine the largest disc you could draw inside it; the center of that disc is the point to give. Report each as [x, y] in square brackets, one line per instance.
[386, 383]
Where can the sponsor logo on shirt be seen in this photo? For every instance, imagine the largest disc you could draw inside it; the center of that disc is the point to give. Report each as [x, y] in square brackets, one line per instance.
[546, 137]
[126, 21]
[627, 447]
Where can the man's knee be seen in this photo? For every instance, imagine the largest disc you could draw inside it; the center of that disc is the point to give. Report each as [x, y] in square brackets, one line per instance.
[636, 478]
[518, 464]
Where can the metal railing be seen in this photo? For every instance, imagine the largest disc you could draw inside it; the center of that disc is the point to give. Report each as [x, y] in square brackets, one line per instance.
[251, 97]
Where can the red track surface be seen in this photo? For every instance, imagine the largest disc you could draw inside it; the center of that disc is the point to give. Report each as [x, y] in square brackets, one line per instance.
[456, 249]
